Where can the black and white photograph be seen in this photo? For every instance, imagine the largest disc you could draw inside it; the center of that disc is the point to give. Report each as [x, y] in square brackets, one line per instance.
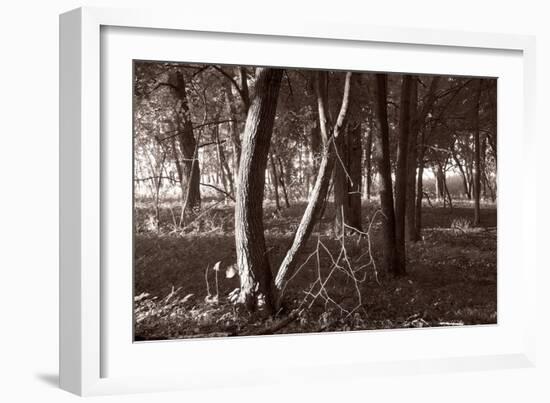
[283, 200]
[313, 202]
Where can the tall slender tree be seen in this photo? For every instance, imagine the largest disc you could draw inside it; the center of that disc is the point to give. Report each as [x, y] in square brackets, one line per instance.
[190, 171]
[477, 154]
[418, 120]
[382, 158]
[412, 163]
[401, 171]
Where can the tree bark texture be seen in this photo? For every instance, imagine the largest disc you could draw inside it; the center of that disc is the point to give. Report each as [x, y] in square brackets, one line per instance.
[412, 163]
[401, 171]
[190, 171]
[419, 188]
[382, 158]
[347, 180]
[418, 120]
[252, 259]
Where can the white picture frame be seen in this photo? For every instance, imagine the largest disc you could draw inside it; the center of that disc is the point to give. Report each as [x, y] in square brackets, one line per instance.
[86, 305]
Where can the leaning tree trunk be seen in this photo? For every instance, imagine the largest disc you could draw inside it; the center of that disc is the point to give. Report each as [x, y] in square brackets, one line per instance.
[401, 171]
[329, 135]
[252, 260]
[477, 157]
[382, 158]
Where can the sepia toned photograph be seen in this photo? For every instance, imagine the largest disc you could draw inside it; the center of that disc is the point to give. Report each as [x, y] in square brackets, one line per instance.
[283, 200]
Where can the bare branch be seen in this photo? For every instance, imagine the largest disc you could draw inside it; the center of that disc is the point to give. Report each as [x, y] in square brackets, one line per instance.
[345, 103]
[242, 93]
[218, 189]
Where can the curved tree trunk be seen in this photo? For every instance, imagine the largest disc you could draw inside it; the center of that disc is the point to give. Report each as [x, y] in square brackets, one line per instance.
[309, 218]
[329, 134]
[252, 260]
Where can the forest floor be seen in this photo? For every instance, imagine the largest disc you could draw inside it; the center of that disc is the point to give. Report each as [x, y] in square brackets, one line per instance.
[181, 292]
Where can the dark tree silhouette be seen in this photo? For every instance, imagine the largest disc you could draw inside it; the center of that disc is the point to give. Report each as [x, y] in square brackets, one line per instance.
[382, 157]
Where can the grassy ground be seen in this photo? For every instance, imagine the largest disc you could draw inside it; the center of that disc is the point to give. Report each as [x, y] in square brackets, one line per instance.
[451, 276]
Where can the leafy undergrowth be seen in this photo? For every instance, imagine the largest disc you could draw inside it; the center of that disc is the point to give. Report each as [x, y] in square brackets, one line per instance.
[182, 293]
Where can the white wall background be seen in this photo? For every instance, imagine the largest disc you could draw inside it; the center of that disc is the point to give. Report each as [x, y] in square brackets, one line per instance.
[29, 201]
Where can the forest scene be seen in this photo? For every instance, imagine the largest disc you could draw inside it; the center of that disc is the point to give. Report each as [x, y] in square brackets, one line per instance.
[284, 200]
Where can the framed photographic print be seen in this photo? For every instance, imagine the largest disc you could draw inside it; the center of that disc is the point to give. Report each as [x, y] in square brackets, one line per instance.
[254, 194]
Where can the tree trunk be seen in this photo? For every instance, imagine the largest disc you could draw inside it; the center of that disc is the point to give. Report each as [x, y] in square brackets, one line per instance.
[368, 160]
[355, 153]
[188, 147]
[477, 158]
[410, 227]
[252, 260]
[316, 147]
[439, 185]
[347, 181]
[490, 186]
[418, 119]
[225, 172]
[462, 173]
[483, 158]
[446, 193]
[419, 189]
[179, 170]
[275, 181]
[401, 170]
[282, 181]
[234, 131]
[318, 194]
[382, 158]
